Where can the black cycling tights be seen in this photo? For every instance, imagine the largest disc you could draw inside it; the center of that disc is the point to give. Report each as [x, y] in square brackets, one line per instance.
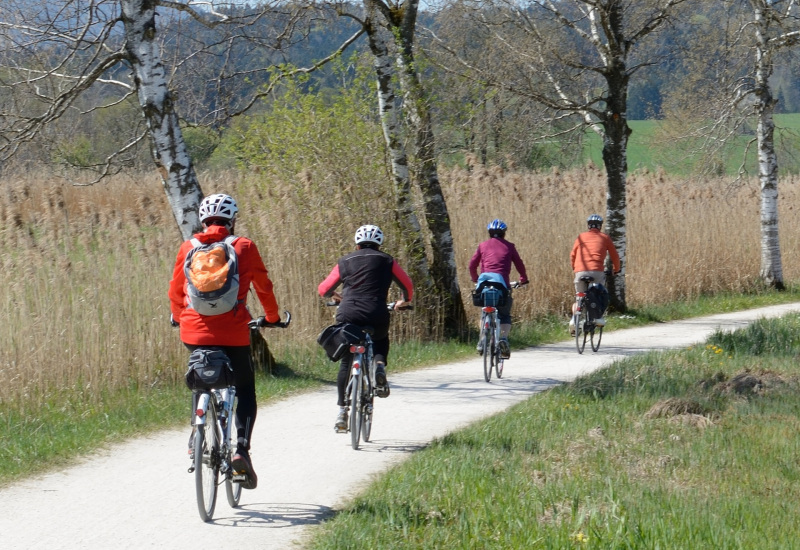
[244, 375]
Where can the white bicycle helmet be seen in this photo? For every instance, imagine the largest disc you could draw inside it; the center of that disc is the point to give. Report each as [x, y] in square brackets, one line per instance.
[218, 206]
[369, 234]
[595, 220]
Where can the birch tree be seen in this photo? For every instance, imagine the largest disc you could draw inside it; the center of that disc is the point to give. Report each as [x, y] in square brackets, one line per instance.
[391, 28]
[80, 56]
[775, 27]
[732, 76]
[575, 57]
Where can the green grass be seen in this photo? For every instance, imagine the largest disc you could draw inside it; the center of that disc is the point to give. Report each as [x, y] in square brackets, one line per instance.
[53, 435]
[590, 465]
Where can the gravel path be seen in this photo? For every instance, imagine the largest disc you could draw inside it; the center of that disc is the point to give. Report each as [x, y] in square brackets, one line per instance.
[139, 495]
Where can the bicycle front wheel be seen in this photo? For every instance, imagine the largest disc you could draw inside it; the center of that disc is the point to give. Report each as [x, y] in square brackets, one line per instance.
[355, 411]
[597, 335]
[206, 464]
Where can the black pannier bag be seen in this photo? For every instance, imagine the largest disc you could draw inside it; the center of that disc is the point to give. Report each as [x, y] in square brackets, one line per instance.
[209, 369]
[597, 300]
[337, 339]
[488, 294]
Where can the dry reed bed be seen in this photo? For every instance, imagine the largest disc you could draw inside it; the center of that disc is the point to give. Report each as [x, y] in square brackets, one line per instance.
[85, 304]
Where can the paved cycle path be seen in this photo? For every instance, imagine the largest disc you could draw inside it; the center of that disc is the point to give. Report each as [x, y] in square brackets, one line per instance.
[139, 495]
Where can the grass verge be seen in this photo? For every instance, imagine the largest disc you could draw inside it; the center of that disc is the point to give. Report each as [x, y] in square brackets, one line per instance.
[66, 427]
[687, 449]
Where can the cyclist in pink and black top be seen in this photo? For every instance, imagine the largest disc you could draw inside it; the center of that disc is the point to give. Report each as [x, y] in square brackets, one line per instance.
[495, 257]
[366, 275]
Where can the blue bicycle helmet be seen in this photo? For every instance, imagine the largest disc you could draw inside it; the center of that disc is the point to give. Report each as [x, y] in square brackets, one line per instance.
[497, 228]
[595, 221]
[497, 225]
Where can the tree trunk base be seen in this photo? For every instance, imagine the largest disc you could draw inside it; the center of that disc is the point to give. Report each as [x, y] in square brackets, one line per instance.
[260, 355]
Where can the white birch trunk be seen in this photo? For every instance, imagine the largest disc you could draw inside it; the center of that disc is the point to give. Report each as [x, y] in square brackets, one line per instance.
[169, 149]
[395, 143]
[771, 265]
[443, 269]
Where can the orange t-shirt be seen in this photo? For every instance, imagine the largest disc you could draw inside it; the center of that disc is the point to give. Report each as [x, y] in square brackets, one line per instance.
[590, 249]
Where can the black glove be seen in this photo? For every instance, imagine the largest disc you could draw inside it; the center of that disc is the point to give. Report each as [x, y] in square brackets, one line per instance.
[173, 322]
[262, 322]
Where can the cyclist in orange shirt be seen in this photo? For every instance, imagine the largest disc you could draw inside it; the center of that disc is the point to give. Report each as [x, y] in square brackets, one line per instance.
[588, 257]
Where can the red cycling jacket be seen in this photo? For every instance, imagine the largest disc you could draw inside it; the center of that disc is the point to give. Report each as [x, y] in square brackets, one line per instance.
[227, 329]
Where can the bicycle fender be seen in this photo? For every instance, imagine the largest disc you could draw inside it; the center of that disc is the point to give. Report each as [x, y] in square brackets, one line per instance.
[202, 405]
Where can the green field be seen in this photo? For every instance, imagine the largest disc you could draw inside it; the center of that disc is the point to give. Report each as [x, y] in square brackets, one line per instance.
[648, 149]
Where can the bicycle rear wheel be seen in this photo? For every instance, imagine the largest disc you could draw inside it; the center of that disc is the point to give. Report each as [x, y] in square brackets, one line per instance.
[355, 411]
[206, 464]
[598, 331]
[488, 354]
[366, 418]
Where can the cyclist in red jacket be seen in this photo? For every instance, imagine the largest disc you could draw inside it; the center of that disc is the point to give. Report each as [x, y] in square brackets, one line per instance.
[367, 273]
[230, 330]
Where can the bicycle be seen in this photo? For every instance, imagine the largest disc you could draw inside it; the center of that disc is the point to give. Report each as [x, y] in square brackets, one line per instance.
[360, 391]
[490, 331]
[585, 327]
[213, 435]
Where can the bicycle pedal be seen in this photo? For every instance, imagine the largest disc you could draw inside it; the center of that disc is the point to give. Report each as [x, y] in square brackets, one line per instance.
[239, 477]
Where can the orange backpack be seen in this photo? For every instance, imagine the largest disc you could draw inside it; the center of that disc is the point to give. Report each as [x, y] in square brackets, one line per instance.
[212, 276]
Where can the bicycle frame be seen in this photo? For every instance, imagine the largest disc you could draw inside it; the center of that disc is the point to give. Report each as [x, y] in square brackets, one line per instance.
[585, 329]
[223, 401]
[490, 323]
[214, 456]
[490, 335]
[359, 400]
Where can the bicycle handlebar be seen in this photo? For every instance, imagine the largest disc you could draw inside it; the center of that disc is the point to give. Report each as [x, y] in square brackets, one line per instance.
[261, 322]
[517, 284]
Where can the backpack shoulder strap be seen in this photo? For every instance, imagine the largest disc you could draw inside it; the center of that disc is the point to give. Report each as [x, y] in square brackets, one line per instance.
[195, 242]
[230, 239]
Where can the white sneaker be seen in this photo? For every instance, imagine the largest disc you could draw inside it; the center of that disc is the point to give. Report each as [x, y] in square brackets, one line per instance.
[571, 328]
[600, 322]
[341, 422]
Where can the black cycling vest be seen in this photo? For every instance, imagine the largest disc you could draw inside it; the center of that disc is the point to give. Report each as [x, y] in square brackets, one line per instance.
[366, 276]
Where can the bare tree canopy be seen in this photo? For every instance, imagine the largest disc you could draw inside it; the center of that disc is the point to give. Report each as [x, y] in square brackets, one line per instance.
[575, 57]
[64, 62]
